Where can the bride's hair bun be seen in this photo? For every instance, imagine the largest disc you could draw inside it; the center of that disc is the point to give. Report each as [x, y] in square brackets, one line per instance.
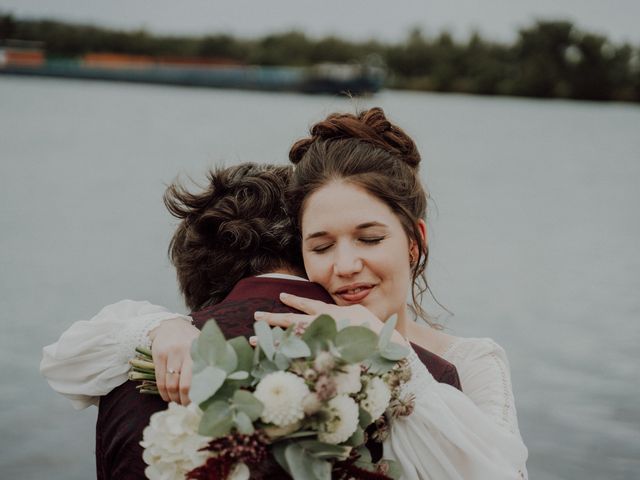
[371, 126]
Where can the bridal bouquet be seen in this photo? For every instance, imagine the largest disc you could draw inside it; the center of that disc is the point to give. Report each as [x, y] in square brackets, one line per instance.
[298, 404]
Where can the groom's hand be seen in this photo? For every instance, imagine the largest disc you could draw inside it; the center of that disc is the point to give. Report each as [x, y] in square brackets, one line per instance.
[171, 348]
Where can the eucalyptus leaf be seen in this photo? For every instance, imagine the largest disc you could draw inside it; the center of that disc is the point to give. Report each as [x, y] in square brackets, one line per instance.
[321, 469]
[206, 383]
[364, 417]
[304, 466]
[277, 334]
[243, 423]
[265, 338]
[324, 450]
[281, 361]
[199, 362]
[229, 361]
[238, 375]
[277, 449]
[244, 353]
[378, 365]
[247, 403]
[357, 438]
[355, 343]
[395, 469]
[217, 420]
[394, 351]
[294, 347]
[387, 332]
[322, 330]
[212, 344]
[263, 368]
[224, 393]
[365, 456]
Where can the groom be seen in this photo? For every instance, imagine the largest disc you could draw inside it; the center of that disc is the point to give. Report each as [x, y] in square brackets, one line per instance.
[248, 276]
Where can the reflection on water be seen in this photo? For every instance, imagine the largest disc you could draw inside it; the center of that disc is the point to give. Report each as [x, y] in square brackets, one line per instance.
[533, 242]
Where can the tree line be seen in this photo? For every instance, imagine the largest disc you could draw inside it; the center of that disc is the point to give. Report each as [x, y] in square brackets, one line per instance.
[548, 59]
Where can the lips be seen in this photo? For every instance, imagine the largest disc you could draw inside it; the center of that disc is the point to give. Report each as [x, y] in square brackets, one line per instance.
[354, 293]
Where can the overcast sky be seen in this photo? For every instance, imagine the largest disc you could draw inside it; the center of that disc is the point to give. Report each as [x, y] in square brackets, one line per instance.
[356, 19]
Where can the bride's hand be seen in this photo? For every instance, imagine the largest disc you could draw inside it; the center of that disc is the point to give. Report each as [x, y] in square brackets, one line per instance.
[171, 348]
[355, 314]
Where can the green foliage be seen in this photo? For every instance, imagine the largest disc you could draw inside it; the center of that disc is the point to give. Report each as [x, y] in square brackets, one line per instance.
[320, 332]
[548, 59]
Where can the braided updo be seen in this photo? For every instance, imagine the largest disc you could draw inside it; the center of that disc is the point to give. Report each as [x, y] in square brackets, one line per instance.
[237, 226]
[369, 151]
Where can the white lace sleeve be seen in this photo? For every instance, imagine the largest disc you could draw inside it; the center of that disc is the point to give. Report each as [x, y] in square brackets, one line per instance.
[91, 358]
[456, 435]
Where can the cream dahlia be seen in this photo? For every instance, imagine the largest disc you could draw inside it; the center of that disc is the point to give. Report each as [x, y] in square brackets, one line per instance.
[281, 393]
[343, 420]
[377, 397]
[349, 380]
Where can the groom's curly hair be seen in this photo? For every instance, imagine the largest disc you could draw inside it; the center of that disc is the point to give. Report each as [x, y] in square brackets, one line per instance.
[234, 227]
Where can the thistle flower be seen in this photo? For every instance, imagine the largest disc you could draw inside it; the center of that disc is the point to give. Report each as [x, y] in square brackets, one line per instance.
[381, 431]
[343, 420]
[402, 407]
[281, 393]
[377, 397]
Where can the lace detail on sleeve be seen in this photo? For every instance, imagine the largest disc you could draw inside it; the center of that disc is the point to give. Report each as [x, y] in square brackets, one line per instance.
[137, 334]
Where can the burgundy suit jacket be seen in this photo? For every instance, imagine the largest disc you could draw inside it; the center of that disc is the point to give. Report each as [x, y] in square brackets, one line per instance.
[124, 413]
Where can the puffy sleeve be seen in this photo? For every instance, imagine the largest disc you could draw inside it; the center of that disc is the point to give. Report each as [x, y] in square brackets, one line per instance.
[453, 435]
[91, 358]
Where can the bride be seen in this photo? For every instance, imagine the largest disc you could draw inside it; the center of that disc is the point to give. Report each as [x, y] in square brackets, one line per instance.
[359, 206]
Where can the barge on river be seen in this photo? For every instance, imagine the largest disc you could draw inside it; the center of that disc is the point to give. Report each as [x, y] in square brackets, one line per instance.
[354, 79]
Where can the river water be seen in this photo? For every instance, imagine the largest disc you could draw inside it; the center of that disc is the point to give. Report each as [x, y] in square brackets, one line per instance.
[534, 232]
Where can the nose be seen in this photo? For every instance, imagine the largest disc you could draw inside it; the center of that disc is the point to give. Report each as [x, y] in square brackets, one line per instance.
[346, 262]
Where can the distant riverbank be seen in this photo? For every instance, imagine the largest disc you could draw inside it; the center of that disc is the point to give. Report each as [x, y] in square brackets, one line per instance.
[549, 59]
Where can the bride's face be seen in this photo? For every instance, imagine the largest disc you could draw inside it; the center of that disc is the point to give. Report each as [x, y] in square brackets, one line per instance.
[355, 247]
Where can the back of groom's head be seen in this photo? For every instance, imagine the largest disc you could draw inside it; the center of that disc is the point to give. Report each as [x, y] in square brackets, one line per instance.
[235, 226]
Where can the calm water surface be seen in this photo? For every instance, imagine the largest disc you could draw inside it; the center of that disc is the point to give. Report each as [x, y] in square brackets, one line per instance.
[534, 233]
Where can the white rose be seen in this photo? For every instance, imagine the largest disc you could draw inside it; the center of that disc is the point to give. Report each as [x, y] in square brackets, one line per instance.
[343, 420]
[171, 443]
[281, 393]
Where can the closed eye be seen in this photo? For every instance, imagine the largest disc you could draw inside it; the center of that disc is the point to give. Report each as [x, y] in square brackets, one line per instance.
[322, 248]
[372, 240]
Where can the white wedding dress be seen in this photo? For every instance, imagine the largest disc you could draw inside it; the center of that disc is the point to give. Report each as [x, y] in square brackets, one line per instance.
[450, 435]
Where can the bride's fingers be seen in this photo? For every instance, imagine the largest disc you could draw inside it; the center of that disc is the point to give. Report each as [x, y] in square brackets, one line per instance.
[185, 381]
[172, 382]
[283, 320]
[306, 305]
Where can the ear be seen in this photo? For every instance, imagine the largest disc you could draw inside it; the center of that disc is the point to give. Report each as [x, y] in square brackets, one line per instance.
[414, 249]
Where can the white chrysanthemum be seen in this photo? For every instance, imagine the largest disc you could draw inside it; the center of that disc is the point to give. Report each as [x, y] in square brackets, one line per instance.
[377, 398]
[349, 381]
[281, 393]
[171, 443]
[343, 420]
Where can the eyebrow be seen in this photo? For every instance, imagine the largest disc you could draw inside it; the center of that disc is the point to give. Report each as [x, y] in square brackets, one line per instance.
[362, 226]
